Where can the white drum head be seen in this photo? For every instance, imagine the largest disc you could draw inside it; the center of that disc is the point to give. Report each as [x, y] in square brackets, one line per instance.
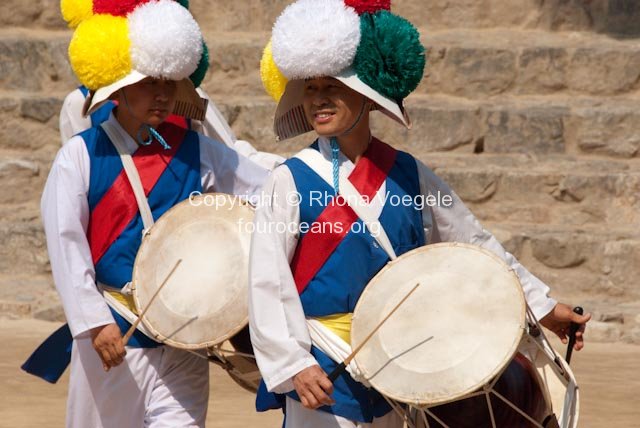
[455, 333]
[204, 302]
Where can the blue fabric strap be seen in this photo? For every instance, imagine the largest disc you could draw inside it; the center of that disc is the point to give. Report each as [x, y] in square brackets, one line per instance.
[52, 357]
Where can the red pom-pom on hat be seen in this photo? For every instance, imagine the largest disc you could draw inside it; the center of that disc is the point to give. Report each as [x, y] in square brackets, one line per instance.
[368, 6]
[116, 7]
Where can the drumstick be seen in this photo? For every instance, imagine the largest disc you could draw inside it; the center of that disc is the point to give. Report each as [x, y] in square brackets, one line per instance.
[133, 327]
[572, 334]
[343, 365]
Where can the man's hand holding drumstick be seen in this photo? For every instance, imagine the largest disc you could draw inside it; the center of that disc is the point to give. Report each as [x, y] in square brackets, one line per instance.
[107, 340]
[559, 321]
[314, 386]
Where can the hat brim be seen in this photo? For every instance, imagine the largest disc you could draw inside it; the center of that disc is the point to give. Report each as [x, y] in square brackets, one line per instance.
[290, 120]
[188, 103]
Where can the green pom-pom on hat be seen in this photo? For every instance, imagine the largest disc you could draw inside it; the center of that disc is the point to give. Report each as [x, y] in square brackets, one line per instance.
[390, 58]
[198, 76]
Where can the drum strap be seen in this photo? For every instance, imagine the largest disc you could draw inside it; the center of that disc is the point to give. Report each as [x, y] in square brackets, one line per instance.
[132, 173]
[119, 300]
[316, 161]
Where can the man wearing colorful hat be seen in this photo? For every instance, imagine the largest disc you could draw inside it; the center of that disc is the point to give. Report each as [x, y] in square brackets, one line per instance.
[72, 120]
[329, 64]
[143, 55]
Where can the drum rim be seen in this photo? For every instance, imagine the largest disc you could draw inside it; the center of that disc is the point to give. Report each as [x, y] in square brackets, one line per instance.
[153, 330]
[487, 378]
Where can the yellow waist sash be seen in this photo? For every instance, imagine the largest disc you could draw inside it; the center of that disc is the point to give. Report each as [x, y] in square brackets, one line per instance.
[126, 300]
[340, 324]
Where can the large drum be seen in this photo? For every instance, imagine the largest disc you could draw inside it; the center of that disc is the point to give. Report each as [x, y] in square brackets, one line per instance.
[204, 301]
[463, 350]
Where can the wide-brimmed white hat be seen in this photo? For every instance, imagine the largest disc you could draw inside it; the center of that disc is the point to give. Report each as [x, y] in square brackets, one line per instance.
[361, 44]
[128, 42]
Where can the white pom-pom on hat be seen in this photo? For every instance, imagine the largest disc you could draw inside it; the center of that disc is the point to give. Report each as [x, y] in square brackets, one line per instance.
[315, 38]
[165, 40]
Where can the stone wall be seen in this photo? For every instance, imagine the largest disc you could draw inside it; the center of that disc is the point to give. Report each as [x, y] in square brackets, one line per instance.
[530, 109]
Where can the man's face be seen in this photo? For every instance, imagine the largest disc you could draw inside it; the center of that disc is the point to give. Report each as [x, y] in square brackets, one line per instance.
[150, 101]
[331, 107]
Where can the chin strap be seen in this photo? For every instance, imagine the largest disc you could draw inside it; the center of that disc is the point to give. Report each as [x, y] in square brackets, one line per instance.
[364, 104]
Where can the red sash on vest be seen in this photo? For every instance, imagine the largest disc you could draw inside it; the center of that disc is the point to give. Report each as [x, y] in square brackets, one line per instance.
[118, 206]
[181, 121]
[315, 248]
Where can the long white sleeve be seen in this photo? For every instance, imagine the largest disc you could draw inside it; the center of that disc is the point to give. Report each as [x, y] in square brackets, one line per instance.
[65, 213]
[224, 170]
[264, 159]
[453, 222]
[279, 332]
[214, 126]
[71, 120]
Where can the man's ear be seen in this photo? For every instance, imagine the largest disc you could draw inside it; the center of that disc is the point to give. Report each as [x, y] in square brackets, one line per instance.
[116, 95]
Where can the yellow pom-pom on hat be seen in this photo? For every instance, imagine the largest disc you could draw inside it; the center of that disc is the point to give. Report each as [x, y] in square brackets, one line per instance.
[99, 51]
[155, 38]
[273, 80]
[76, 11]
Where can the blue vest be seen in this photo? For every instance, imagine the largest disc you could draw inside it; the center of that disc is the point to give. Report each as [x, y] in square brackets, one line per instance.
[179, 179]
[338, 284]
[115, 267]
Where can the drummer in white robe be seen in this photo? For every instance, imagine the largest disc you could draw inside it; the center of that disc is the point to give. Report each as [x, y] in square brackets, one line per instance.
[91, 219]
[330, 65]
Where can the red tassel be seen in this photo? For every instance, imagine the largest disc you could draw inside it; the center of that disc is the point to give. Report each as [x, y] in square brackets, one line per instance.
[116, 7]
[368, 6]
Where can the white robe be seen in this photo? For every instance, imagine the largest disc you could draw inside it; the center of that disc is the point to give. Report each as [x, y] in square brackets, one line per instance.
[65, 212]
[279, 331]
[214, 126]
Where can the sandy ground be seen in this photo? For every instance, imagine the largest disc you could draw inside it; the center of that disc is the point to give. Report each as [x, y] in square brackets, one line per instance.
[607, 374]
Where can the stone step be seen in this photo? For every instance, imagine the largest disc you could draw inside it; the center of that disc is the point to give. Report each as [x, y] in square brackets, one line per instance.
[464, 63]
[542, 125]
[606, 16]
[10, 309]
[471, 63]
[23, 248]
[580, 263]
[22, 180]
[477, 64]
[29, 296]
[543, 190]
